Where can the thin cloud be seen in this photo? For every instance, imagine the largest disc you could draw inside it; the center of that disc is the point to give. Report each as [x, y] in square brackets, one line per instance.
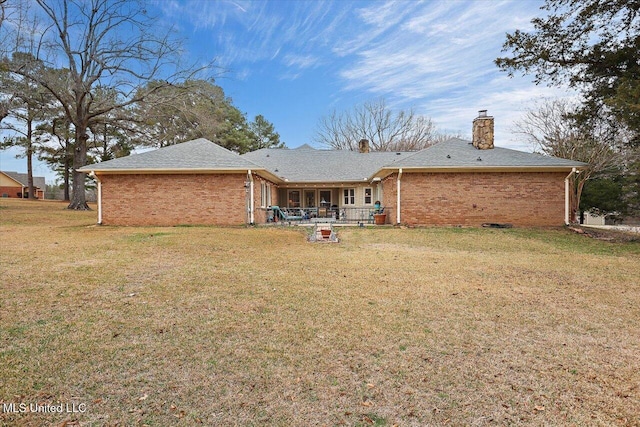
[249, 32]
[437, 57]
[438, 40]
[304, 61]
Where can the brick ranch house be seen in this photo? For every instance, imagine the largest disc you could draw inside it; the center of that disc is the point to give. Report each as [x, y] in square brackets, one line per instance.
[16, 185]
[455, 182]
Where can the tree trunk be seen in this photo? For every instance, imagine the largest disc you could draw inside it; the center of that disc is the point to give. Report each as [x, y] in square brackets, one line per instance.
[577, 184]
[29, 153]
[579, 187]
[67, 178]
[78, 199]
[105, 146]
[67, 166]
[30, 185]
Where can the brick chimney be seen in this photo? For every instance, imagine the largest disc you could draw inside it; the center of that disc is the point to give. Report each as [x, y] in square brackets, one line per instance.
[363, 146]
[483, 131]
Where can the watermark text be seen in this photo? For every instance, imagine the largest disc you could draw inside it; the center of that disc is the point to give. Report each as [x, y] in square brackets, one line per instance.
[43, 408]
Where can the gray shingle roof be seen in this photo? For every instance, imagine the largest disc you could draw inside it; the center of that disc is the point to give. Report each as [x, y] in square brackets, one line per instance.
[306, 164]
[23, 179]
[458, 153]
[310, 165]
[199, 154]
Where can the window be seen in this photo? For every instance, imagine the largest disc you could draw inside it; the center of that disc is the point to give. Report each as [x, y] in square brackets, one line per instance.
[368, 196]
[310, 198]
[268, 194]
[349, 196]
[265, 194]
[294, 199]
[325, 198]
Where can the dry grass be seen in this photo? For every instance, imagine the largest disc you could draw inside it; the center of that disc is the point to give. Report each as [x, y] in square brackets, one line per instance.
[255, 326]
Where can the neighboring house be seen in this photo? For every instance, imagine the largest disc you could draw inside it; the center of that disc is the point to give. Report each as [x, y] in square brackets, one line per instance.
[452, 183]
[592, 219]
[16, 185]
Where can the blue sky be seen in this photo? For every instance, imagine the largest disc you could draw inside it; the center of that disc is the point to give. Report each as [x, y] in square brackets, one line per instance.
[294, 61]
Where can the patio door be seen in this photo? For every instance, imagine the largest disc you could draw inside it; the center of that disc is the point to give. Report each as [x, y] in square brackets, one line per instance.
[324, 204]
[294, 199]
[309, 198]
[325, 198]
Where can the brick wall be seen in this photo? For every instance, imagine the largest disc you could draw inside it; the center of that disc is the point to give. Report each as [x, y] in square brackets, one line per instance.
[524, 199]
[390, 197]
[15, 192]
[213, 199]
[11, 191]
[259, 215]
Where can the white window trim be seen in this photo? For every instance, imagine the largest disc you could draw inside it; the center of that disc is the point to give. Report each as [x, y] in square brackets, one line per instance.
[268, 202]
[350, 197]
[364, 196]
[263, 194]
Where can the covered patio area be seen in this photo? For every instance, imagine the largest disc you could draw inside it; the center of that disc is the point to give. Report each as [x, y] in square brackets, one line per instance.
[328, 215]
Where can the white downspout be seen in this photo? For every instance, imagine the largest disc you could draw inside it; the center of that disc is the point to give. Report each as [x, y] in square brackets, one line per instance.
[251, 206]
[99, 199]
[567, 197]
[398, 196]
[93, 174]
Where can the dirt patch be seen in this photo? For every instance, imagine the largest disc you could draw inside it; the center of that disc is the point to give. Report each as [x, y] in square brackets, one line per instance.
[608, 235]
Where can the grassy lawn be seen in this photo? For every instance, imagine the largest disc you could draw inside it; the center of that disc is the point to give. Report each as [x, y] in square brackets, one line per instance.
[255, 326]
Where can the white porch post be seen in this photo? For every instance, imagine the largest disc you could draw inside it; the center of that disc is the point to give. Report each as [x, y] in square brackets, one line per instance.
[99, 197]
[567, 198]
[251, 202]
[398, 196]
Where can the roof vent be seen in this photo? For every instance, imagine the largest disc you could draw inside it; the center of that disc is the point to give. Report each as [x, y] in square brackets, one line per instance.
[397, 154]
[479, 159]
[448, 156]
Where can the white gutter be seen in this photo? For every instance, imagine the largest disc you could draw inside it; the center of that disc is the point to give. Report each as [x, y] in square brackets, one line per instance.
[398, 196]
[251, 207]
[567, 197]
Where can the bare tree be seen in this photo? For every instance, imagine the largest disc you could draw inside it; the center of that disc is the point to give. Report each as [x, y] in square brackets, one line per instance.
[554, 128]
[112, 44]
[385, 129]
